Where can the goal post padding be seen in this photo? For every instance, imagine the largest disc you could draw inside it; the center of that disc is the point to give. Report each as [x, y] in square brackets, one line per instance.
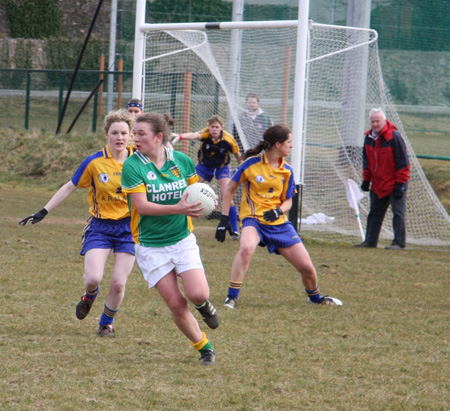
[189, 74]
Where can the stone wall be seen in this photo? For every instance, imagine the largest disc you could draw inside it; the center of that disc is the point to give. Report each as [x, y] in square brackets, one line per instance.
[22, 53]
[4, 25]
[77, 18]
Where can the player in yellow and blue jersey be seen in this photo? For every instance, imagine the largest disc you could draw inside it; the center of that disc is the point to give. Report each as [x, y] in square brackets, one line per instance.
[155, 178]
[108, 227]
[268, 189]
[216, 146]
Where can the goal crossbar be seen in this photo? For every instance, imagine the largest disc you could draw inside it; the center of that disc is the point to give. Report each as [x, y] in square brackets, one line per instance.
[233, 25]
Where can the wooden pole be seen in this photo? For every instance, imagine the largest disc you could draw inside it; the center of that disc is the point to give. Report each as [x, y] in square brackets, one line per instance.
[120, 84]
[187, 107]
[100, 90]
[287, 74]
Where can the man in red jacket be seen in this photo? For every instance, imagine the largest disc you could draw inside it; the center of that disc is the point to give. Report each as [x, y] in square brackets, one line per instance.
[386, 166]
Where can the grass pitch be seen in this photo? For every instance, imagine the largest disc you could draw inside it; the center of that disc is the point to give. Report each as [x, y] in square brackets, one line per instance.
[387, 348]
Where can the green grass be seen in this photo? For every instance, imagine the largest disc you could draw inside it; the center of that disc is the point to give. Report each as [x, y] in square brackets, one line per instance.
[428, 133]
[387, 348]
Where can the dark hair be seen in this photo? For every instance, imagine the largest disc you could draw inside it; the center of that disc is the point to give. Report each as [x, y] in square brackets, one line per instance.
[275, 134]
[159, 123]
[252, 95]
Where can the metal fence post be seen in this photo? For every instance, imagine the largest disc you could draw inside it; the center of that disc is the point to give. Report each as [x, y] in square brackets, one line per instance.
[61, 94]
[27, 100]
[94, 114]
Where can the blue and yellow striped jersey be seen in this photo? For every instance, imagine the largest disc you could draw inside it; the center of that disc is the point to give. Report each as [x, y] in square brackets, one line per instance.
[216, 154]
[102, 174]
[264, 188]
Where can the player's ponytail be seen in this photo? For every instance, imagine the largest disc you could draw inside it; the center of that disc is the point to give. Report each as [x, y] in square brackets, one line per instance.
[277, 133]
[255, 150]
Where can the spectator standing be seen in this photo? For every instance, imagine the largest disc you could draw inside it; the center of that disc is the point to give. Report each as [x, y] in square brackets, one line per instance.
[386, 174]
[254, 121]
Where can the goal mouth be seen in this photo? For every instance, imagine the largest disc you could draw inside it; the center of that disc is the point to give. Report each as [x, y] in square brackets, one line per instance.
[194, 72]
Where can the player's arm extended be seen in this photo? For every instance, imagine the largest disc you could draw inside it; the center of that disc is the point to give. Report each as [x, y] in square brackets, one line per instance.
[60, 196]
[185, 136]
[145, 207]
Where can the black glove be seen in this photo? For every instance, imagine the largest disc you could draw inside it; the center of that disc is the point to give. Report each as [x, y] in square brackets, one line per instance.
[222, 228]
[273, 215]
[399, 189]
[365, 185]
[35, 218]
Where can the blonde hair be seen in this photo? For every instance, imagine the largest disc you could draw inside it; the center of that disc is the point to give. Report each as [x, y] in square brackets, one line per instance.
[215, 119]
[117, 116]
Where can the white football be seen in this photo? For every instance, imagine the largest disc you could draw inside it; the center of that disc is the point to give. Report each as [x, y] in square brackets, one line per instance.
[204, 193]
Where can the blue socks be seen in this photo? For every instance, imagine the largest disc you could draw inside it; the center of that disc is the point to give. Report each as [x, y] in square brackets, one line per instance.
[232, 217]
[314, 295]
[107, 316]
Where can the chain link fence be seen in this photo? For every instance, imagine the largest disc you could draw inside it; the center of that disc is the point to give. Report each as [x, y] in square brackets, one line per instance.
[413, 43]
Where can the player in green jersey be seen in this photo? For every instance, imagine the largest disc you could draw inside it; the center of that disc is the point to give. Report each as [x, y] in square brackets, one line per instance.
[154, 179]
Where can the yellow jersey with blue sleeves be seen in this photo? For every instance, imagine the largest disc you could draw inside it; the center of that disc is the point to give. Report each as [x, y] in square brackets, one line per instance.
[102, 173]
[264, 188]
[216, 154]
[161, 186]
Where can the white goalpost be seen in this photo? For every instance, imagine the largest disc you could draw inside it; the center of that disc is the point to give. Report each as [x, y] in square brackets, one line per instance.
[314, 78]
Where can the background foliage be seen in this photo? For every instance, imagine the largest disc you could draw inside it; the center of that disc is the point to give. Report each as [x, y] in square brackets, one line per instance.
[33, 19]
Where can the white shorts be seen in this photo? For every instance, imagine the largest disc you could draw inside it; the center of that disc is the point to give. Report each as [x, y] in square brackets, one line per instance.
[157, 262]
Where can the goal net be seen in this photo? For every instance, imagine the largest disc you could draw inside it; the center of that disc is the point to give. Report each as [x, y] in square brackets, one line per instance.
[194, 74]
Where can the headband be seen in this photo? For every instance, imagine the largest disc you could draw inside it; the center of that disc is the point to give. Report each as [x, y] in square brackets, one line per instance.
[134, 104]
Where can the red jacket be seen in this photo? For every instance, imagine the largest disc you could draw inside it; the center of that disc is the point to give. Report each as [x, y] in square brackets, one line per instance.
[385, 160]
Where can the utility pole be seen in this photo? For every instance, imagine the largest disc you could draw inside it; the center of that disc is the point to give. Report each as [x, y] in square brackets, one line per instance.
[355, 77]
[235, 58]
[112, 55]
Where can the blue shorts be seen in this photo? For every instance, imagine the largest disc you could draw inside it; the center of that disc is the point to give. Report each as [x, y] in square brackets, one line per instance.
[274, 236]
[208, 173]
[109, 234]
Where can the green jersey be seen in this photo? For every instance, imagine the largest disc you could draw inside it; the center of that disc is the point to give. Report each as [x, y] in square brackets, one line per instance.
[162, 186]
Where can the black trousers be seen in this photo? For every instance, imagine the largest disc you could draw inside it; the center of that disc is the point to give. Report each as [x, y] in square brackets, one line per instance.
[378, 208]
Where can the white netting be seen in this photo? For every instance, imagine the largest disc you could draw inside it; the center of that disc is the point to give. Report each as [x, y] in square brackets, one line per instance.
[192, 74]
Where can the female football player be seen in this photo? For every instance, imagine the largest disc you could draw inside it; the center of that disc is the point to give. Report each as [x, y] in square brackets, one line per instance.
[214, 159]
[155, 178]
[268, 188]
[108, 227]
[135, 108]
